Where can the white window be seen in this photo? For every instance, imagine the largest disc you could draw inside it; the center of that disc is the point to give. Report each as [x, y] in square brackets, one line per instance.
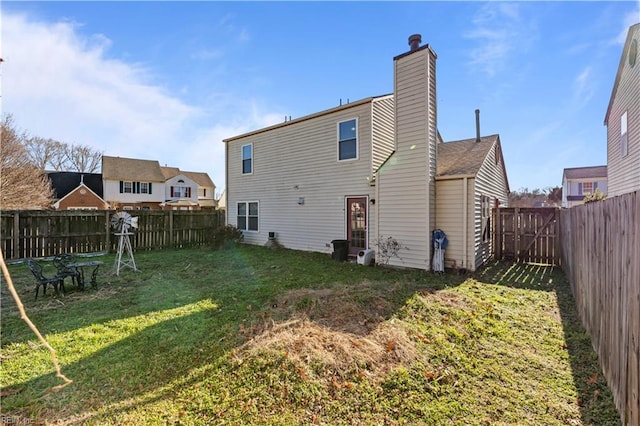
[144, 187]
[248, 215]
[623, 135]
[347, 140]
[180, 192]
[247, 159]
[127, 187]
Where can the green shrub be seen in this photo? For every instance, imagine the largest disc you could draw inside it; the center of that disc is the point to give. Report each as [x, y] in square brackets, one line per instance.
[225, 237]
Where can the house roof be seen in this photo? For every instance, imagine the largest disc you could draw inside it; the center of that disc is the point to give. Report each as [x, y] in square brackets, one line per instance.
[120, 168]
[65, 182]
[585, 172]
[308, 117]
[463, 157]
[201, 178]
[623, 58]
[169, 172]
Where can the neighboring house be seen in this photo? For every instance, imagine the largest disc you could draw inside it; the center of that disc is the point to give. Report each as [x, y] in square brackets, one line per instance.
[133, 184]
[206, 195]
[77, 191]
[362, 171]
[580, 181]
[222, 201]
[471, 181]
[180, 192]
[623, 120]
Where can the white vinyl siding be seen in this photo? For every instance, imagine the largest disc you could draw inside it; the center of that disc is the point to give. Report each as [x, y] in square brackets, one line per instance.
[490, 182]
[298, 159]
[450, 218]
[623, 171]
[405, 183]
[382, 131]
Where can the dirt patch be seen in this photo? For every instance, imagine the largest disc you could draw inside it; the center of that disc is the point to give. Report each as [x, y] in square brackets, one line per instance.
[334, 333]
[357, 309]
[324, 352]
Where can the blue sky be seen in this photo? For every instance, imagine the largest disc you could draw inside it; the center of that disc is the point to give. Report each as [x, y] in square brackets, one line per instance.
[168, 81]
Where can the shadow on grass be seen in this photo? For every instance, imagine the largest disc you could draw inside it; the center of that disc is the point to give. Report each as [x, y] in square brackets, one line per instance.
[214, 296]
[594, 397]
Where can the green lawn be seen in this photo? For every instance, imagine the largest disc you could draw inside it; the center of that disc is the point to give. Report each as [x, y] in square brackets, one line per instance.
[252, 335]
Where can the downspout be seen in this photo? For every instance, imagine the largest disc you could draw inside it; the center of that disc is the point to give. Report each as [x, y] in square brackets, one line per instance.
[465, 213]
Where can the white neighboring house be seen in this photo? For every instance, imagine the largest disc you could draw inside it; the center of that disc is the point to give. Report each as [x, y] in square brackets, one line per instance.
[580, 181]
[206, 189]
[623, 120]
[181, 193]
[132, 184]
[363, 171]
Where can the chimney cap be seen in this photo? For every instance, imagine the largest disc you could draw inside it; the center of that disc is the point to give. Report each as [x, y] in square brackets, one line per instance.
[414, 41]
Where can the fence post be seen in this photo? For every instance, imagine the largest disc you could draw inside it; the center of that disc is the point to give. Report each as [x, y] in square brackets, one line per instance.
[16, 234]
[107, 231]
[170, 228]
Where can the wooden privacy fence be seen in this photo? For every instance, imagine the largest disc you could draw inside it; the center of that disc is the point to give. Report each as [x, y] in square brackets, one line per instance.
[601, 257]
[527, 234]
[45, 233]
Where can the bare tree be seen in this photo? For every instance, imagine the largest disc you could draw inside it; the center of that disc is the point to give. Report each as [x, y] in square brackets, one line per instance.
[82, 158]
[22, 185]
[46, 153]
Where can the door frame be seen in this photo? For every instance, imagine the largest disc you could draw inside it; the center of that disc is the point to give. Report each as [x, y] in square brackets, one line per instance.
[347, 200]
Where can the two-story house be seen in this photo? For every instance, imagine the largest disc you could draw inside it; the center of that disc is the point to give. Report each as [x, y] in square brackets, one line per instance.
[623, 120]
[134, 184]
[363, 171]
[580, 181]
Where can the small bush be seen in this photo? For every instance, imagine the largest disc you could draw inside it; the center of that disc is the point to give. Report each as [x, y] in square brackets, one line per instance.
[388, 247]
[225, 237]
[596, 195]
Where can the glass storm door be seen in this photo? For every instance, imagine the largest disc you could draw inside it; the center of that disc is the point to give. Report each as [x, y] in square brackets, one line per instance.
[356, 224]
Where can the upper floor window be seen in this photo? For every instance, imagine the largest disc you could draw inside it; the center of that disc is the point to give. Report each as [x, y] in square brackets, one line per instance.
[623, 135]
[180, 192]
[587, 187]
[247, 159]
[128, 187]
[347, 140]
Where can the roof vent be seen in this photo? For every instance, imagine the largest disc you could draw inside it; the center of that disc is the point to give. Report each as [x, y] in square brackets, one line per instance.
[414, 41]
[477, 125]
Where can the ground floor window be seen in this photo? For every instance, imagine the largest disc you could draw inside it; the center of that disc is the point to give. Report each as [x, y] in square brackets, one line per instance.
[248, 215]
[486, 218]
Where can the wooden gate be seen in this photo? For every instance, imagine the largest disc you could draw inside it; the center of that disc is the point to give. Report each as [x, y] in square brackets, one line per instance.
[527, 234]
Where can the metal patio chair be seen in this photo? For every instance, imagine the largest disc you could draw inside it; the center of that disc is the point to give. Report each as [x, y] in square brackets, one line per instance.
[41, 279]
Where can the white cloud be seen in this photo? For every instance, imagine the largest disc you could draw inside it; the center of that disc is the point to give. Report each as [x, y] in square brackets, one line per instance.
[498, 30]
[584, 89]
[58, 84]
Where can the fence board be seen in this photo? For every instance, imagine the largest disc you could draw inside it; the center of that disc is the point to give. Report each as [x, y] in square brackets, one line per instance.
[601, 256]
[46, 233]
